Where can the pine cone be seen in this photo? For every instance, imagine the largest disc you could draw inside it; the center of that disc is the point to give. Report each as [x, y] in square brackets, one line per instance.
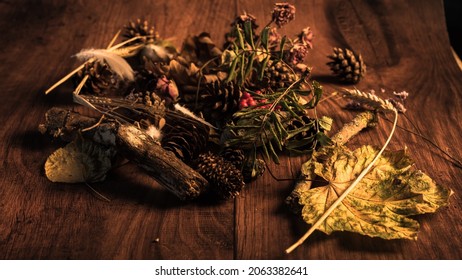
[217, 101]
[250, 170]
[146, 80]
[100, 78]
[235, 156]
[278, 75]
[140, 28]
[225, 179]
[186, 139]
[348, 66]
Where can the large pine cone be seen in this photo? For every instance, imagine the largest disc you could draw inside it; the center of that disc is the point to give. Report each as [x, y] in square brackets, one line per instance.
[225, 179]
[278, 75]
[100, 80]
[347, 65]
[184, 137]
[217, 101]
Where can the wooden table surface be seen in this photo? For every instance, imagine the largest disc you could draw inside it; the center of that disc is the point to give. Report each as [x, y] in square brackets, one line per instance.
[405, 46]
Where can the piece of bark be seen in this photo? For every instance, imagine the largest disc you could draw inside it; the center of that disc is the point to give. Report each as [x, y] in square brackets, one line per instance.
[163, 165]
[66, 125]
[134, 144]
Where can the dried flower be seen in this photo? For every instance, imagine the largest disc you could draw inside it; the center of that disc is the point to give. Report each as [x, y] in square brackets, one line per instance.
[167, 87]
[240, 20]
[306, 37]
[273, 37]
[401, 95]
[297, 54]
[283, 13]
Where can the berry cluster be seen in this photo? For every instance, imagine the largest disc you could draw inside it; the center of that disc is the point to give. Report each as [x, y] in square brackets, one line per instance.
[248, 101]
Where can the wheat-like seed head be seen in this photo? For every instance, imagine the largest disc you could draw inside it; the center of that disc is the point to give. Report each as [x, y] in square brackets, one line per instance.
[369, 99]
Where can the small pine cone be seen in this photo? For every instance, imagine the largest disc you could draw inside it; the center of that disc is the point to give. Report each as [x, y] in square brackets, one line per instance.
[348, 66]
[225, 179]
[140, 28]
[217, 101]
[184, 138]
[235, 156]
[100, 78]
[278, 75]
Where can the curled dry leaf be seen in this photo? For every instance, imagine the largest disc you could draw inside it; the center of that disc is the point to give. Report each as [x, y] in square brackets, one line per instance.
[79, 161]
[381, 203]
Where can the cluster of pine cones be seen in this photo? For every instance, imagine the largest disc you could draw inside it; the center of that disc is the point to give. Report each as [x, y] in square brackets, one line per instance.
[227, 171]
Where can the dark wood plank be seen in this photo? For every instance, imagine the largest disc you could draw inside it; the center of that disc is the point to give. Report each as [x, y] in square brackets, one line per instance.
[405, 45]
[45, 220]
[402, 53]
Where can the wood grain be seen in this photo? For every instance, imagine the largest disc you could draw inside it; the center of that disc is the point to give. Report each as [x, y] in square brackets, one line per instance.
[404, 43]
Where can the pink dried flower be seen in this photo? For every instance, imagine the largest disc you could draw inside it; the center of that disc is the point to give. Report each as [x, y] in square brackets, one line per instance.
[240, 20]
[297, 53]
[401, 95]
[283, 13]
[273, 37]
[167, 87]
[306, 37]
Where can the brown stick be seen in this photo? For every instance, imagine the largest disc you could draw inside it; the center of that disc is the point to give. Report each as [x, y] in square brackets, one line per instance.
[134, 144]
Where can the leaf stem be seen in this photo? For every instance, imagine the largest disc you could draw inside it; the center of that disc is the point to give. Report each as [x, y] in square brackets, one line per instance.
[346, 192]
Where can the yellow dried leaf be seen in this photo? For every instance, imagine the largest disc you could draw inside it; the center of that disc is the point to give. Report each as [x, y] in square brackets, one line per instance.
[381, 204]
[79, 161]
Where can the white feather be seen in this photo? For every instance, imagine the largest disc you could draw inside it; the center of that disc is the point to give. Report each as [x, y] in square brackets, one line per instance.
[154, 132]
[157, 53]
[190, 114]
[118, 64]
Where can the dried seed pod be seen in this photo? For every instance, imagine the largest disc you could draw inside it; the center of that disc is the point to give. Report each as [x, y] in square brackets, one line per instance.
[235, 156]
[253, 170]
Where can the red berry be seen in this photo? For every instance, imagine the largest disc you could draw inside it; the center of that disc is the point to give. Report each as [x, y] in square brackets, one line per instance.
[252, 102]
[245, 95]
[243, 104]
